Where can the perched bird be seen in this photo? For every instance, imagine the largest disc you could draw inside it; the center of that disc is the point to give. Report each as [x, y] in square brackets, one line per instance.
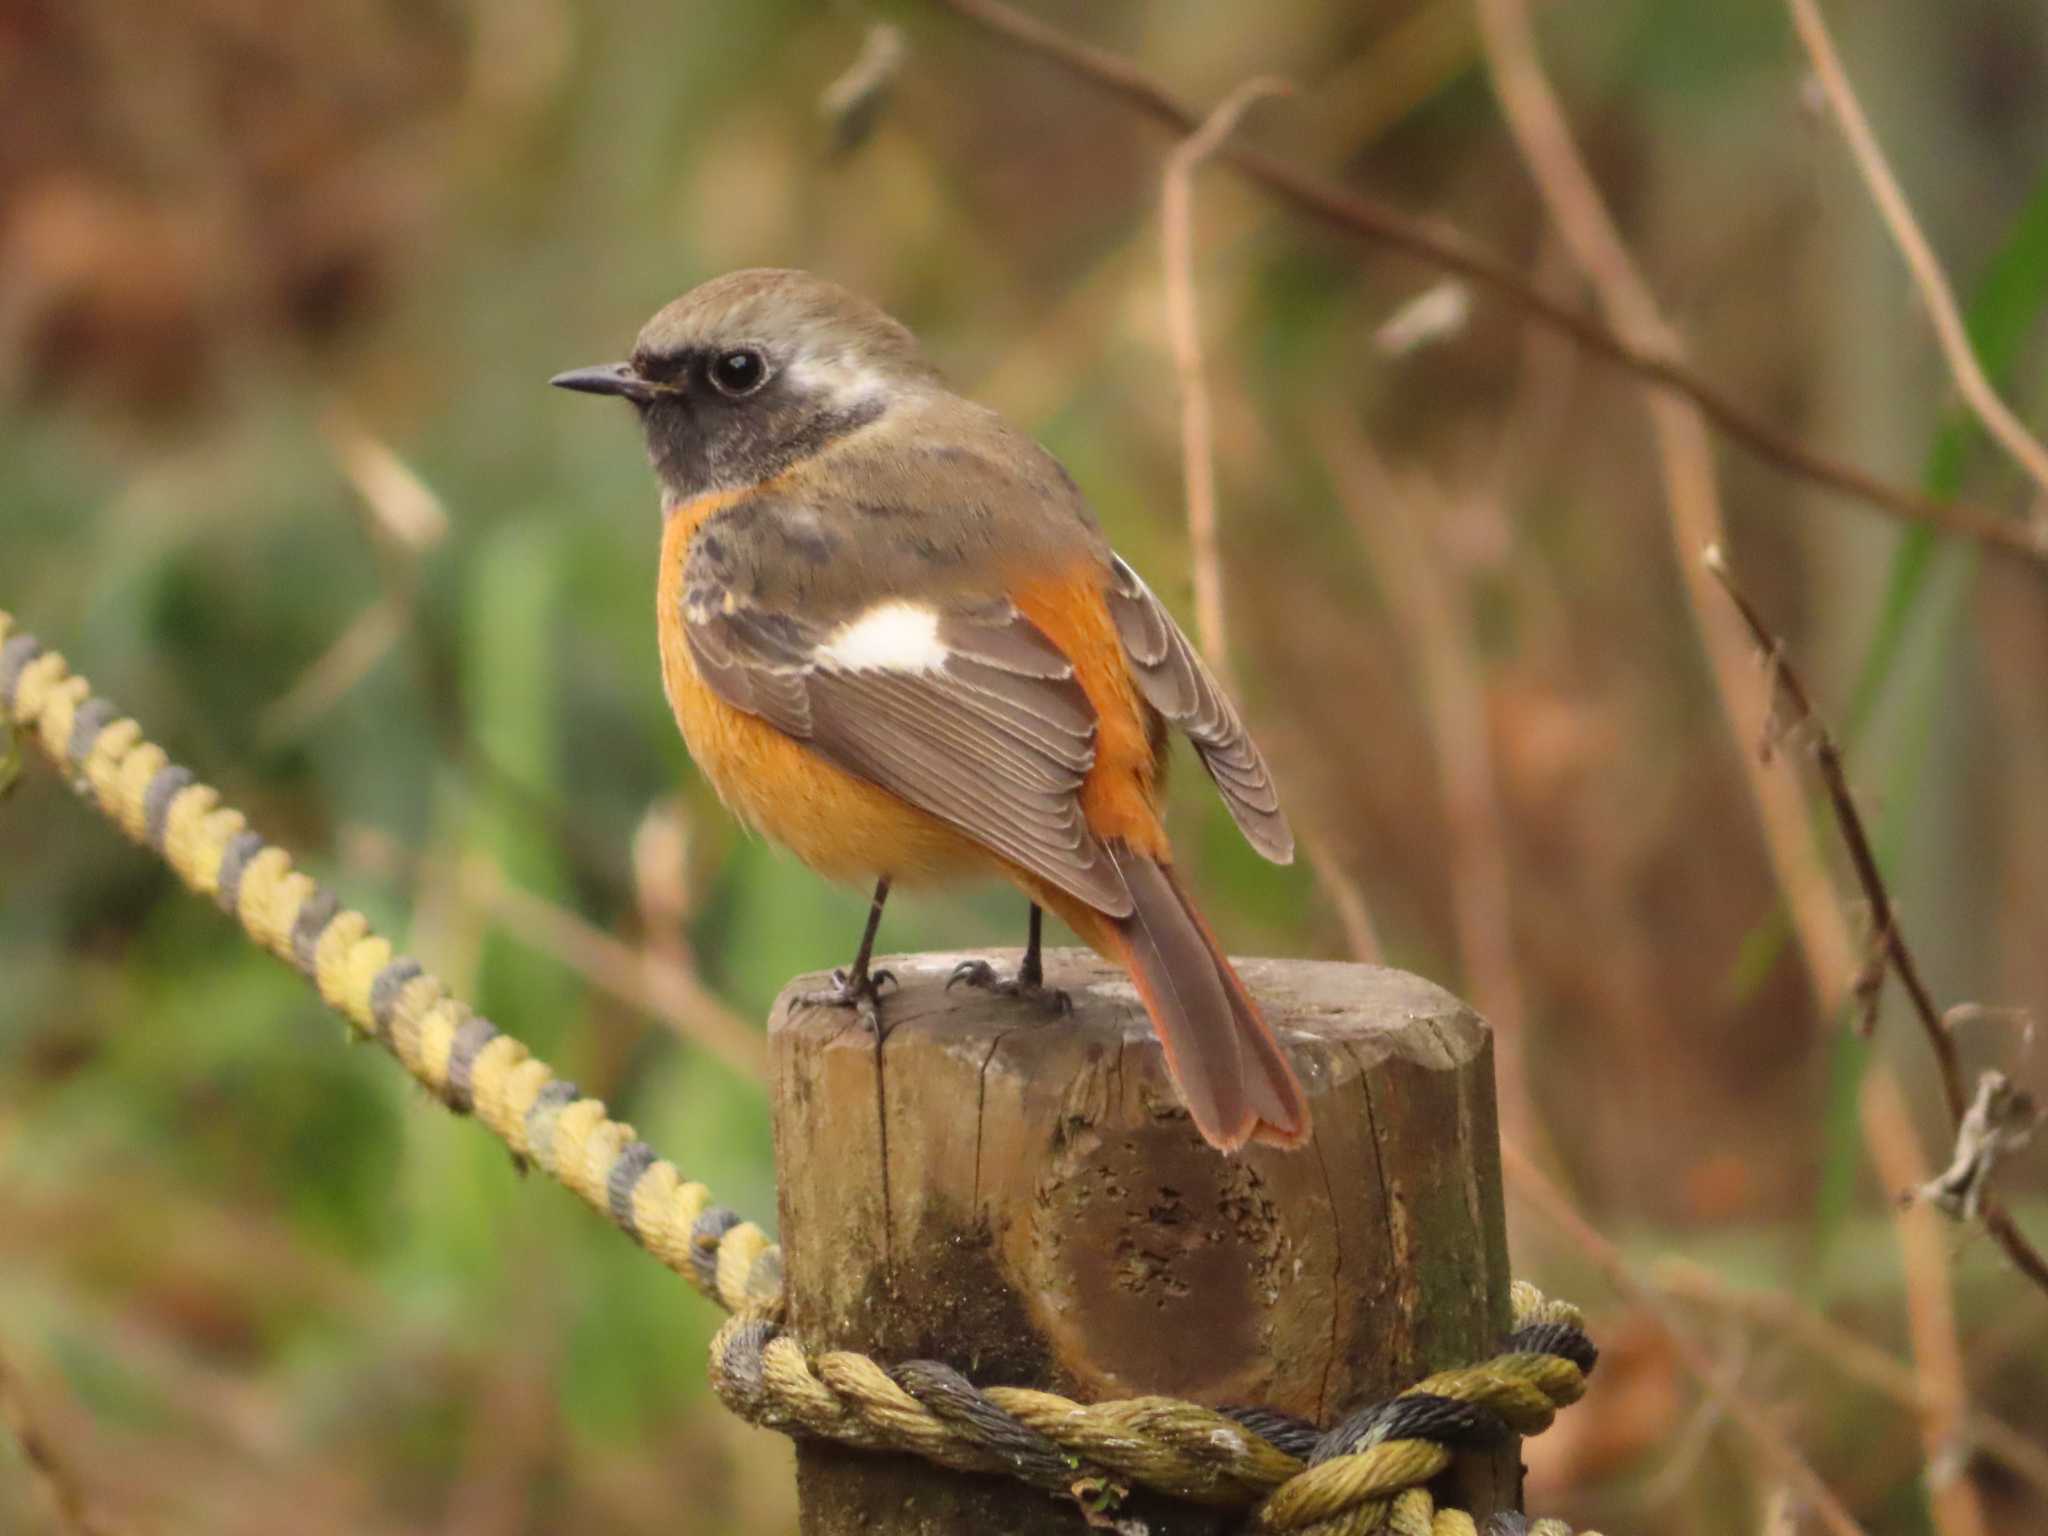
[898, 644]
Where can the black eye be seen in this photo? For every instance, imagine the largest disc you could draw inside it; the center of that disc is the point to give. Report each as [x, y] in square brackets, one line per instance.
[739, 372]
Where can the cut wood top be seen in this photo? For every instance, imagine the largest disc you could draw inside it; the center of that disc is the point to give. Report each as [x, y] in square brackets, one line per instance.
[1371, 1005]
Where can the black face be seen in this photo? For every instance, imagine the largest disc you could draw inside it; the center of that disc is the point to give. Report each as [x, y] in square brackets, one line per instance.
[732, 373]
[720, 418]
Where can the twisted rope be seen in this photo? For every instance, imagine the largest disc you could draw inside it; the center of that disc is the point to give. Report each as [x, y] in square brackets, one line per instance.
[1366, 1474]
[1363, 1475]
[462, 1058]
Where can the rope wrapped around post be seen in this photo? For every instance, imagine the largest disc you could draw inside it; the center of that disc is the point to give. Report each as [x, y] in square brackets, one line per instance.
[1344, 1481]
[1367, 1473]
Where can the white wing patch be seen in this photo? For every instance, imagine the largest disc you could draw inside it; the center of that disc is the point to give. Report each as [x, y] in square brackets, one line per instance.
[889, 637]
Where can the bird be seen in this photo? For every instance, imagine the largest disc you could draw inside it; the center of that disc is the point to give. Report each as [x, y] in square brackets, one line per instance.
[898, 643]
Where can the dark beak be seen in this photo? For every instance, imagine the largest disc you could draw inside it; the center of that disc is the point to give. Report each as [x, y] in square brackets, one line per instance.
[611, 379]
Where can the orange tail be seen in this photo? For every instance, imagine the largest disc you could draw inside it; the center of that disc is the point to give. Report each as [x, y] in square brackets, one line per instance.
[1230, 1069]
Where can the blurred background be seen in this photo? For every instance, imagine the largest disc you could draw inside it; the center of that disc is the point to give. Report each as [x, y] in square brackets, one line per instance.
[280, 289]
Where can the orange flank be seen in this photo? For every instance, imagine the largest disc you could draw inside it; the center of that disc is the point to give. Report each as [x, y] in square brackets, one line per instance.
[1120, 796]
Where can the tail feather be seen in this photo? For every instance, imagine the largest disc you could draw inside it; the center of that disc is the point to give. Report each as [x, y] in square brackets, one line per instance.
[1230, 1070]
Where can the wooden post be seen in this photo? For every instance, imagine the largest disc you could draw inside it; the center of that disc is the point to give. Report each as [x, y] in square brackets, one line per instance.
[1023, 1198]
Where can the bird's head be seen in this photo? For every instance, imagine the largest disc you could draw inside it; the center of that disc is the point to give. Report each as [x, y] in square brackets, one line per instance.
[752, 372]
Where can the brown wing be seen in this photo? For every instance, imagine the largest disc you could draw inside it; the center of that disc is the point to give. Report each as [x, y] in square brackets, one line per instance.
[980, 721]
[1175, 682]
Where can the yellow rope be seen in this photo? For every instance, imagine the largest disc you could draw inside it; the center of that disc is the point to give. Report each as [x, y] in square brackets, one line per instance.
[462, 1058]
[1091, 1451]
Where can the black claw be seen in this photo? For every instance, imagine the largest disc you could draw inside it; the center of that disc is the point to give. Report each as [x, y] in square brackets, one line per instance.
[976, 973]
[863, 996]
[979, 973]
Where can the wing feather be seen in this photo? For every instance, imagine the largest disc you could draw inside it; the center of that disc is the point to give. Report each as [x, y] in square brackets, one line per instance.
[1175, 682]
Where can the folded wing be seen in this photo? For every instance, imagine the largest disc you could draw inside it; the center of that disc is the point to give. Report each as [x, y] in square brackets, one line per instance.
[966, 711]
[1177, 683]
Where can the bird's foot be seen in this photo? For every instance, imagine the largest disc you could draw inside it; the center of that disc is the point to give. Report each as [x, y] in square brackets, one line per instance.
[1027, 985]
[862, 993]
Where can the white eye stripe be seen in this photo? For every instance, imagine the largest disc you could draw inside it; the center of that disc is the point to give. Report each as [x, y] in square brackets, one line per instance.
[844, 383]
[890, 637]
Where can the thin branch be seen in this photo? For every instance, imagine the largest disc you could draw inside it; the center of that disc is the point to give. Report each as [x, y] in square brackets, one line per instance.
[1827, 757]
[1354, 914]
[663, 889]
[1183, 324]
[1449, 249]
[1691, 491]
[1928, 278]
[1889, 936]
[403, 521]
[1394, 521]
[1769, 1441]
[1198, 457]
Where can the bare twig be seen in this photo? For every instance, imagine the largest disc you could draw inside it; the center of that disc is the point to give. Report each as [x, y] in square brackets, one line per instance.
[1800, 717]
[662, 888]
[1394, 520]
[1198, 459]
[332, 675]
[1183, 324]
[1444, 247]
[60, 1484]
[404, 520]
[1887, 1123]
[1928, 278]
[1768, 1440]
[1691, 490]
[853, 104]
[1354, 914]
[1884, 916]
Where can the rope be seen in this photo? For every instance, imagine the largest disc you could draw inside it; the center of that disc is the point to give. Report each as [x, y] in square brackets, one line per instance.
[462, 1058]
[1365, 1474]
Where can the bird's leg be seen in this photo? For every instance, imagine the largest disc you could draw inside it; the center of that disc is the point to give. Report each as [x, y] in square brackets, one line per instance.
[856, 986]
[1028, 983]
[1031, 973]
